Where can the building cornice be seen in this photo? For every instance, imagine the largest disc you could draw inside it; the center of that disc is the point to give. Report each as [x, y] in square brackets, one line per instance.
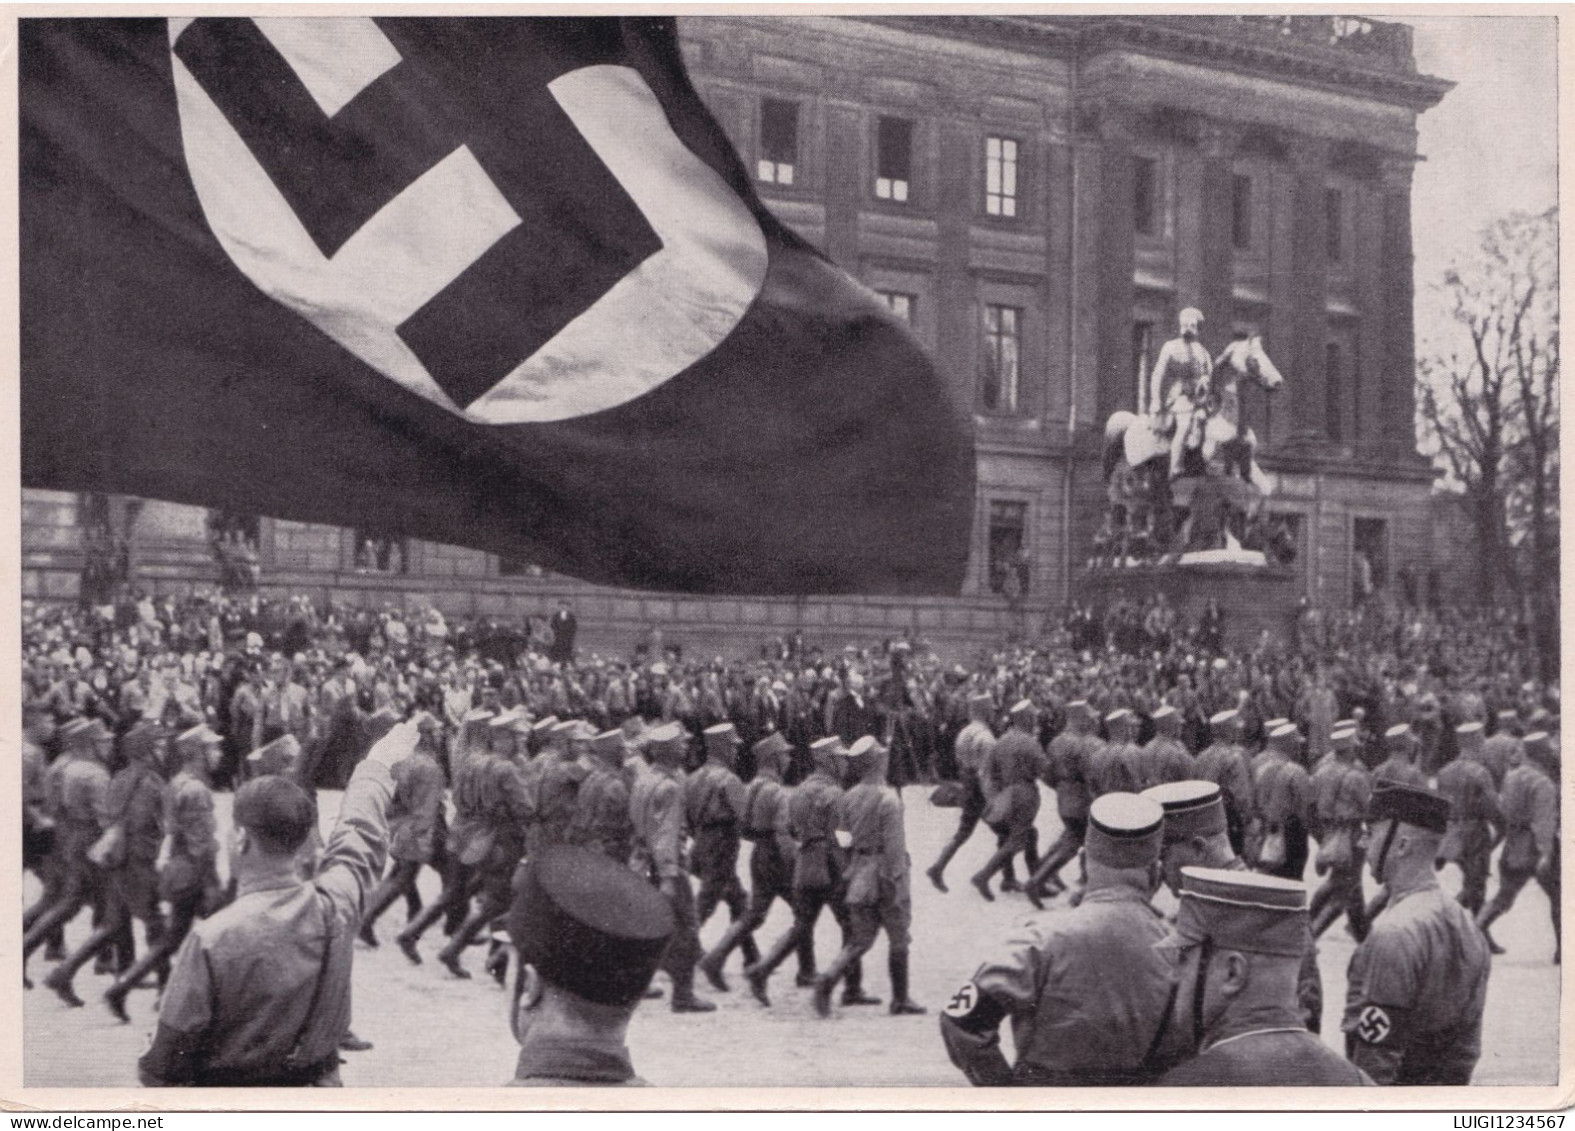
[1225, 42]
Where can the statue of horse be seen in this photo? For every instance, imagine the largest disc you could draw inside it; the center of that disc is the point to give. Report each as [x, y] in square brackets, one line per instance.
[1215, 429]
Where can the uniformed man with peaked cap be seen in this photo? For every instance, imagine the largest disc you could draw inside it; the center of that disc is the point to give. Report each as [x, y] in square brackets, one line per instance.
[1010, 777]
[1197, 836]
[1530, 807]
[764, 823]
[1402, 747]
[714, 802]
[1086, 989]
[1066, 772]
[589, 935]
[1225, 762]
[819, 869]
[1239, 942]
[656, 810]
[972, 746]
[1417, 984]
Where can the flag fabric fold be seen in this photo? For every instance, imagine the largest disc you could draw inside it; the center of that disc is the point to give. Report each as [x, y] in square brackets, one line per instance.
[495, 282]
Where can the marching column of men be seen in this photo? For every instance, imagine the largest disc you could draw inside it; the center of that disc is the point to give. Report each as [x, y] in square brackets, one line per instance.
[1099, 990]
[1241, 998]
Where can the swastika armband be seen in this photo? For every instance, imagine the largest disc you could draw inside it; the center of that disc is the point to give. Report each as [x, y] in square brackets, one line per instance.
[974, 1010]
[1381, 1026]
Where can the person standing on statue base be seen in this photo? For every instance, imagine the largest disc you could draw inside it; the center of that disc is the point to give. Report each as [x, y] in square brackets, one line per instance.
[1239, 943]
[1417, 985]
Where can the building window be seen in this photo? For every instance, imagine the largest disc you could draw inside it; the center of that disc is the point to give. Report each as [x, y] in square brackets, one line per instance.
[1143, 355]
[1333, 389]
[893, 158]
[1241, 212]
[1008, 560]
[778, 141]
[1000, 176]
[377, 554]
[1334, 224]
[904, 306]
[1145, 195]
[1002, 357]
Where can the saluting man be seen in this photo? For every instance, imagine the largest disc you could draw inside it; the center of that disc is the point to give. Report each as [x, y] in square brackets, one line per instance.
[1087, 992]
[1417, 985]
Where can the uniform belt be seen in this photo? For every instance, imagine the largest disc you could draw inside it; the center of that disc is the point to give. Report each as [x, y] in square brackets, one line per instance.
[868, 851]
[271, 1076]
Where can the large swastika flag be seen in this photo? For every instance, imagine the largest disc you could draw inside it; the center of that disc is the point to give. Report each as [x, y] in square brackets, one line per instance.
[494, 282]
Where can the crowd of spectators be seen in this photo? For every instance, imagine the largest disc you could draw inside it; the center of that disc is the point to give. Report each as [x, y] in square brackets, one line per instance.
[255, 668]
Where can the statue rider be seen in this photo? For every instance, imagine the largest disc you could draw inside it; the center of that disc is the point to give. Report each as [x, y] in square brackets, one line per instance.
[1179, 384]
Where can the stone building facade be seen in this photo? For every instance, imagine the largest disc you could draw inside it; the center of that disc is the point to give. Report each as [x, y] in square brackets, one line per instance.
[1040, 196]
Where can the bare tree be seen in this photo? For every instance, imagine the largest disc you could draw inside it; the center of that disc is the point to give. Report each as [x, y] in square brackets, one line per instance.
[1487, 403]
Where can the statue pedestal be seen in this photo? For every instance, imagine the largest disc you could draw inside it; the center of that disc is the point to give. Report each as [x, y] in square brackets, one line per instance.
[1255, 597]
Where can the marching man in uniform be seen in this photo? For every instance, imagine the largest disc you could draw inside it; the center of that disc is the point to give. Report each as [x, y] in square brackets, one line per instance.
[878, 892]
[973, 745]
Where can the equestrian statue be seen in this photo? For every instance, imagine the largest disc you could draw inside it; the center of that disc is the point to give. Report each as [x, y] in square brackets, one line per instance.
[1183, 475]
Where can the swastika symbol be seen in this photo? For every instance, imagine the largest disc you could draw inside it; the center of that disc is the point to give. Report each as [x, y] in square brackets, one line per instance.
[1373, 1025]
[963, 1001]
[399, 244]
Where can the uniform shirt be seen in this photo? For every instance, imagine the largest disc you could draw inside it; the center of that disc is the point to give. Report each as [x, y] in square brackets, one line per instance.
[1339, 792]
[1415, 991]
[1113, 768]
[713, 798]
[601, 819]
[415, 817]
[1225, 764]
[1288, 1057]
[1530, 807]
[656, 811]
[1086, 992]
[1282, 788]
[135, 801]
[34, 794]
[563, 1063]
[972, 747]
[1499, 753]
[872, 815]
[765, 820]
[189, 823]
[1164, 759]
[1473, 805]
[1010, 779]
[557, 793]
[1066, 772]
[242, 985]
